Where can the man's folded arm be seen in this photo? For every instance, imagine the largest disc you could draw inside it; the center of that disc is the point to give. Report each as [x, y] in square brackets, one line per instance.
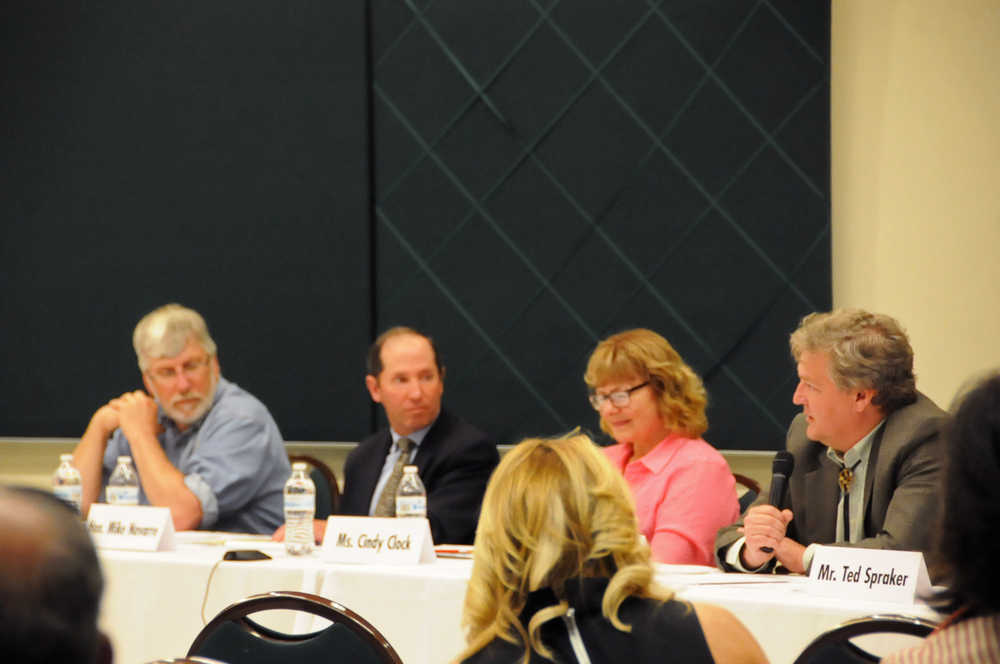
[88, 457]
[164, 484]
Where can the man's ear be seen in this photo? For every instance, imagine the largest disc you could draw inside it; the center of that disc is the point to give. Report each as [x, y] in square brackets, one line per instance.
[215, 366]
[371, 382]
[148, 384]
[442, 372]
[863, 399]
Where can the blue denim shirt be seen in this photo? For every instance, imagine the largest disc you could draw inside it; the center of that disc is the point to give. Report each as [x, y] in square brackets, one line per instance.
[233, 459]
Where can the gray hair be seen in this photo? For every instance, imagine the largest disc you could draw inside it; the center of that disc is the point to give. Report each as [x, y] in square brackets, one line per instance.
[164, 332]
[866, 350]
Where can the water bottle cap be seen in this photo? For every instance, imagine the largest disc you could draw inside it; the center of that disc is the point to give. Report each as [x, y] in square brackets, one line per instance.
[299, 465]
[409, 469]
[124, 459]
[65, 457]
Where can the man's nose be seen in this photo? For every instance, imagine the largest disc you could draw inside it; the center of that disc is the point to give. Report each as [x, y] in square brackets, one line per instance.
[183, 382]
[797, 398]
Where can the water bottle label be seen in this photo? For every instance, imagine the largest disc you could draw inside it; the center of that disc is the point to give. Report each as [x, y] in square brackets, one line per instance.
[411, 506]
[123, 495]
[70, 493]
[300, 501]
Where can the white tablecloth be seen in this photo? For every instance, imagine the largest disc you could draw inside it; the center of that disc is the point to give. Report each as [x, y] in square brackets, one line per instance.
[152, 602]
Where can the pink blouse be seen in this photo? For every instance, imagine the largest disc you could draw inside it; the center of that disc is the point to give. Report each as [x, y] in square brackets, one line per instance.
[684, 492]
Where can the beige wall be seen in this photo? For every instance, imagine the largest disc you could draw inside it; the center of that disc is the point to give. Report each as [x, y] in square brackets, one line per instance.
[31, 461]
[916, 176]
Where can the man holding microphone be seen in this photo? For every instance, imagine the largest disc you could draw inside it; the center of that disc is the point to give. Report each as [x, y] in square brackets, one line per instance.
[867, 451]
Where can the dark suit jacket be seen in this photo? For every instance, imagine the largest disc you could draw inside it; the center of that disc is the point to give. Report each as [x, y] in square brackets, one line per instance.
[454, 461]
[902, 488]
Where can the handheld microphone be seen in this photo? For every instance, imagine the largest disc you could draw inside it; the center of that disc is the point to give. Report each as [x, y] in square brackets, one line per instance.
[781, 468]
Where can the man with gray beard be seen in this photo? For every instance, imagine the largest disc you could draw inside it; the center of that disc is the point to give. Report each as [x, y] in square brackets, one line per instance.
[202, 446]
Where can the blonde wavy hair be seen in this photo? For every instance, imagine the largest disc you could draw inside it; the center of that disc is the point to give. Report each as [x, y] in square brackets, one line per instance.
[645, 355]
[555, 509]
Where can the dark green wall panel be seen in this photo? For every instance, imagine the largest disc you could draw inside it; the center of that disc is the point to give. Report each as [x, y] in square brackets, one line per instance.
[519, 178]
[551, 172]
[210, 152]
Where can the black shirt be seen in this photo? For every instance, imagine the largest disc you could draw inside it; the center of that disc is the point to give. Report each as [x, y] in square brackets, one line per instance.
[661, 631]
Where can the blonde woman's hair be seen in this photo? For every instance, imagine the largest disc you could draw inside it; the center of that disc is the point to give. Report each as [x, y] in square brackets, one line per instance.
[555, 509]
[164, 332]
[645, 355]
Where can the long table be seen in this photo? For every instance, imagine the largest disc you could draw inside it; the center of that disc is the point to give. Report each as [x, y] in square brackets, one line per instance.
[152, 605]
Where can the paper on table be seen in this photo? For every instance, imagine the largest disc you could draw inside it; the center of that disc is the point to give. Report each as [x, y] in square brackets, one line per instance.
[216, 538]
[670, 568]
[724, 578]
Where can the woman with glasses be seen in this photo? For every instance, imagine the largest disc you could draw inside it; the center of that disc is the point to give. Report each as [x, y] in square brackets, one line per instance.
[561, 574]
[653, 405]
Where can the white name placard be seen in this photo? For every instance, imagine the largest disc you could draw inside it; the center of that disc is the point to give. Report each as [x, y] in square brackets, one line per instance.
[871, 574]
[389, 541]
[131, 527]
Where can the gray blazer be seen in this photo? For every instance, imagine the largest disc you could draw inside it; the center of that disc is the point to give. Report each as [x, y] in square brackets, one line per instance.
[902, 488]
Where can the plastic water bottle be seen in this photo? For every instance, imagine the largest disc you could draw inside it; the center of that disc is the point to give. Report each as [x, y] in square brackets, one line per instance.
[123, 485]
[67, 483]
[300, 508]
[411, 497]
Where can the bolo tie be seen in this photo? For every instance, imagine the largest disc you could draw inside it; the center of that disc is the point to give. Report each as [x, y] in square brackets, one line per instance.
[844, 479]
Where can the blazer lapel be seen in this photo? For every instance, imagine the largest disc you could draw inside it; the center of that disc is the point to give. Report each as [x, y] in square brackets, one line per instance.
[426, 450]
[372, 468]
[823, 495]
[873, 467]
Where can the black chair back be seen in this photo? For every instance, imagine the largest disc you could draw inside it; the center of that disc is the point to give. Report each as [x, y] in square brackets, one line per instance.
[751, 493]
[327, 489]
[232, 636]
[835, 646]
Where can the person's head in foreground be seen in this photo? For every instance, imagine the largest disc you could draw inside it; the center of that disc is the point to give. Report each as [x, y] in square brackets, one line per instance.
[50, 582]
[969, 541]
[558, 539]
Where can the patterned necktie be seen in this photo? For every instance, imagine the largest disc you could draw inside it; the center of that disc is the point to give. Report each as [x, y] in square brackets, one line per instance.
[387, 501]
[844, 479]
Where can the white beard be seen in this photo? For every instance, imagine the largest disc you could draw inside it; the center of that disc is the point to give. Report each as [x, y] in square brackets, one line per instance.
[186, 417]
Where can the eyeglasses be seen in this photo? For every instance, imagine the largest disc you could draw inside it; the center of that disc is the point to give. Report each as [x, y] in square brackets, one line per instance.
[618, 399]
[190, 369]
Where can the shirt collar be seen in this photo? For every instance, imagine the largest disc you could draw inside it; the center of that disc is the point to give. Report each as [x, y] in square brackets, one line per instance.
[583, 594]
[417, 436]
[658, 457]
[859, 452]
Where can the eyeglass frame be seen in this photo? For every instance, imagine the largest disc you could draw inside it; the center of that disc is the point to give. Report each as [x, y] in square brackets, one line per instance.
[618, 399]
[191, 369]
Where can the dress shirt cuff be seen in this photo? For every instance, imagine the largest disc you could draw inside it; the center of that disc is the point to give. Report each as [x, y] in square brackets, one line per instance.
[807, 557]
[733, 557]
[203, 492]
